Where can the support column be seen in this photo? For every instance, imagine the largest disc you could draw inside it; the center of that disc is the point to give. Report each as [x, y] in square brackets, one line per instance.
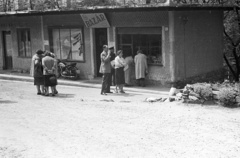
[42, 34]
[92, 51]
[172, 43]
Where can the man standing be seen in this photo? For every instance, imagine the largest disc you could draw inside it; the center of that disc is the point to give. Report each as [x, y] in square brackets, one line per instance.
[141, 68]
[105, 69]
[112, 59]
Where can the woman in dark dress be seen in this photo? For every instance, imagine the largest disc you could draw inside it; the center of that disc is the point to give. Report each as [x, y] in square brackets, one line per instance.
[38, 71]
[119, 72]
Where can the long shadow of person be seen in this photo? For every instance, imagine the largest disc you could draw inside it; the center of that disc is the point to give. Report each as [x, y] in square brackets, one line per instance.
[62, 95]
[7, 102]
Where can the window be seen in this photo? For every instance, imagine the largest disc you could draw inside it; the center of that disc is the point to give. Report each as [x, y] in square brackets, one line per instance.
[67, 43]
[24, 42]
[149, 40]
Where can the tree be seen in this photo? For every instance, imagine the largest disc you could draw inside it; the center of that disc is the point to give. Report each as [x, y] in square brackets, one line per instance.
[232, 40]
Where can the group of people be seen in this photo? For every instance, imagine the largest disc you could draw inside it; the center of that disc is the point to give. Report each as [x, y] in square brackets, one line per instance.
[44, 69]
[117, 70]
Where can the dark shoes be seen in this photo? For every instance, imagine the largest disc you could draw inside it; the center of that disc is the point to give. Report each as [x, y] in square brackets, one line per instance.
[103, 93]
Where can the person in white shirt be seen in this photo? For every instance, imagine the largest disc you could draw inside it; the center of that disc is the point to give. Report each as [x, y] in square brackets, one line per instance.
[119, 71]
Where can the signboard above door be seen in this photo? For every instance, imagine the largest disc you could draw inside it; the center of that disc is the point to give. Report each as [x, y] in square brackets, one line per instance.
[97, 20]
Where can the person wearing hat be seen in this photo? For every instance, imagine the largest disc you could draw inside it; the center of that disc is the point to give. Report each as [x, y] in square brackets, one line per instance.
[37, 71]
[105, 69]
[112, 59]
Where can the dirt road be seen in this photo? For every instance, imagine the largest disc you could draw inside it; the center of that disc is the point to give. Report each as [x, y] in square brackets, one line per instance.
[80, 123]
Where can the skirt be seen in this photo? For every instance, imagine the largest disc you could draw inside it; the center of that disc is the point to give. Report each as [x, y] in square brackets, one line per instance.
[38, 81]
[50, 80]
[119, 76]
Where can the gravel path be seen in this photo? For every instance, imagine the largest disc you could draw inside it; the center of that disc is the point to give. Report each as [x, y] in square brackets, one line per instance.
[80, 123]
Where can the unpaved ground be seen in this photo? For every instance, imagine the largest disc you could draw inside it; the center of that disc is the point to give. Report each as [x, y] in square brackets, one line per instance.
[80, 123]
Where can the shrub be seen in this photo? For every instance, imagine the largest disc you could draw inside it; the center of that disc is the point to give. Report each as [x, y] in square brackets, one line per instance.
[203, 90]
[227, 97]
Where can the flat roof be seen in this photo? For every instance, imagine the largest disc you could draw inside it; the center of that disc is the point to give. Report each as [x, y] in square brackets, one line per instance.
[111, 9]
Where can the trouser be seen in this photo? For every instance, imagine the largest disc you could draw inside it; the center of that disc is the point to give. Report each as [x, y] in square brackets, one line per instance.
[112, 78]
[141, 82]
[106, 81]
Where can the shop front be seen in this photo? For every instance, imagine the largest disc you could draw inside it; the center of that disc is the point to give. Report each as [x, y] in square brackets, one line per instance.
[175, 48]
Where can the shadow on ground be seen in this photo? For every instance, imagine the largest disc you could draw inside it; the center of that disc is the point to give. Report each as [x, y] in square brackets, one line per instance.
[62, 95]
[7, 102]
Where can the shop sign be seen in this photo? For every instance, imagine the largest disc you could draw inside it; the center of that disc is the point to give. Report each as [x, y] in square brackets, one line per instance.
[97, 20]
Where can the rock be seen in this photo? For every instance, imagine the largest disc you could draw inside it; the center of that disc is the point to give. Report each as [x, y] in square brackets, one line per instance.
[215, 95]
[164, 99]
[172, 91]
[238, 99]
[192, 93]
[171, 99]
[195, 102]
[179, 95]
[193, 98]
[152, 99]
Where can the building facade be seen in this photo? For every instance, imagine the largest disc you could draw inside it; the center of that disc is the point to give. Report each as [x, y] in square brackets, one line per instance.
[179, 44]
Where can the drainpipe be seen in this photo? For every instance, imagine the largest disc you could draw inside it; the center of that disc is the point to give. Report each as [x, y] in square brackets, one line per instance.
[94, 70]
[172, 52]
[184, 20]
[42, 34]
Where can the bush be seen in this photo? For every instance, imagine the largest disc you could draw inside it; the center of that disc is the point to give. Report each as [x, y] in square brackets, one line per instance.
[227, 97]
[203, 90]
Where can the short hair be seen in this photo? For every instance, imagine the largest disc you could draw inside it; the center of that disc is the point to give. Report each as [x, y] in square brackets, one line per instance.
[139, 51]
[105, 46]
[47, 53]
[39, 52]
[119, 52]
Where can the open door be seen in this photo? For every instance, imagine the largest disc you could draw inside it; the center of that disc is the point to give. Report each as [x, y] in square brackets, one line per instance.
[7, 50]
[101, 39]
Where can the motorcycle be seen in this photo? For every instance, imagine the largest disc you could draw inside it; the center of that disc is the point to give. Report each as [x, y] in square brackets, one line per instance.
[69, 71]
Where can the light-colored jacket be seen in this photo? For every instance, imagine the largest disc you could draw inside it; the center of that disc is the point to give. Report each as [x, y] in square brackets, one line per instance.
[35, 57]
[49, 65]
[105, 66]
[141, 67]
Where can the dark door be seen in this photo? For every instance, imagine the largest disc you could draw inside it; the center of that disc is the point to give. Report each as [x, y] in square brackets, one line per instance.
[101, 39]
[7, 50]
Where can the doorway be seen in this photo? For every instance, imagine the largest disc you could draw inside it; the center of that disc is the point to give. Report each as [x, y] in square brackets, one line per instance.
[7, 50]
[100, 40]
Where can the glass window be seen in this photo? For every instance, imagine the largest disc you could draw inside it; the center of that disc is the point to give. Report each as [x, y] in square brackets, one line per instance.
[24, 42]
[67, 43]
[149, 40]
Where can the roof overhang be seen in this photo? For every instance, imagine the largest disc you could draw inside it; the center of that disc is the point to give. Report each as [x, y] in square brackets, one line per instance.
[116, 9]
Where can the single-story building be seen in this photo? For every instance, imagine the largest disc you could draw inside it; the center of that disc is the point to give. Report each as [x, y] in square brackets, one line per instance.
[180, 41]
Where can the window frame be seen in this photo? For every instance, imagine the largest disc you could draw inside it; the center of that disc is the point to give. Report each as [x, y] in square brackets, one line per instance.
[132, 40]
[50, 34]
[18, 43]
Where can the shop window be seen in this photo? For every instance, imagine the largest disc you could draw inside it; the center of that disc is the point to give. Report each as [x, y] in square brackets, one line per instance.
[67, 43]
[149, 40]
[24, 42]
